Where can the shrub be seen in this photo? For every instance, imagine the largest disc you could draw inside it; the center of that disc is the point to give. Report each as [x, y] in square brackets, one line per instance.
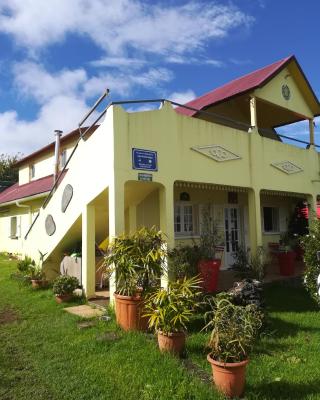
[234, 329]
[65, 284]
[311, 244]
[183, 261]
[25, 265]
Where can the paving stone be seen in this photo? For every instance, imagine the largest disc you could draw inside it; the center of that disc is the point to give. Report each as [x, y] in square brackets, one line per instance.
[84, 311]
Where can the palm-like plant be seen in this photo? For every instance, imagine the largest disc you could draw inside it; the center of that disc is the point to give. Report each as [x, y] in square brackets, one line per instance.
[137, 259]
[169, 310]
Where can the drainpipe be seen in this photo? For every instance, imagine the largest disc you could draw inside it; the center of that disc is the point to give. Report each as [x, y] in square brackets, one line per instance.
[58, 135]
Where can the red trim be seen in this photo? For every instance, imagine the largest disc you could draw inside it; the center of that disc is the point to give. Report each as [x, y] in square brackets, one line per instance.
[17, 192]
[240, 86]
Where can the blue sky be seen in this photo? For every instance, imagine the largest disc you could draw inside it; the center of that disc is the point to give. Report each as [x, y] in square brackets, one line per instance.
[57, 56]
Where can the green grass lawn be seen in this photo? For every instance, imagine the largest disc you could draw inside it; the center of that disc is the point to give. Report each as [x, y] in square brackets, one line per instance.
[44, 355]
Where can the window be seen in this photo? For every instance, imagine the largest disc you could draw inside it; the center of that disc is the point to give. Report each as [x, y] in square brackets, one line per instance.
[271, 219]
[183, 219]
[13, 228]
[63, 159]
[32, 171]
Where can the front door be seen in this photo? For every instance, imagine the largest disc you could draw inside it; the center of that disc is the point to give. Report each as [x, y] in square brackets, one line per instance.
[232, 233]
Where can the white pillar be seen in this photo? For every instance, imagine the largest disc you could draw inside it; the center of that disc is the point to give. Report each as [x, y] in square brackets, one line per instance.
[253, 113]
[166, 195]
[88, 266]
[116, 220]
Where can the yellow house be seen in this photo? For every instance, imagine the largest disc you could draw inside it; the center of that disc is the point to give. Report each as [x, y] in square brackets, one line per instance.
[161, 167]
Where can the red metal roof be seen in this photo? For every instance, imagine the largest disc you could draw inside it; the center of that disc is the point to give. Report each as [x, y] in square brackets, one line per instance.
[16, 191]
[236, 87]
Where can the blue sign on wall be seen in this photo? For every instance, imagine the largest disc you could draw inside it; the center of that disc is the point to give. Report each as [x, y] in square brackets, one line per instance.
[144, 159]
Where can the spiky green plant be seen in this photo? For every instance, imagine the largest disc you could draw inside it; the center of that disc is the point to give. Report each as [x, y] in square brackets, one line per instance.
[169, 310]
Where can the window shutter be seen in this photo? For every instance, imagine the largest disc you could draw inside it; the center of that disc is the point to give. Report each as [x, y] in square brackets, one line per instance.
[13, 227]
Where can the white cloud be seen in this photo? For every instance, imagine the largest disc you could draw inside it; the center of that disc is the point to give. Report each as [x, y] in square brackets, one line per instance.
[19, 135]
[119, 25]
[123, 83]
[122, 62]
[182, 97]
[34, 81]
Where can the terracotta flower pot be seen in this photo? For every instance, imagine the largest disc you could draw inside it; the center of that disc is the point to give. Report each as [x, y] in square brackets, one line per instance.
[209, 274]
[39, 283]
[286, 263]
[172, 342]
[64, 298]
[229, 378]
[129, 313]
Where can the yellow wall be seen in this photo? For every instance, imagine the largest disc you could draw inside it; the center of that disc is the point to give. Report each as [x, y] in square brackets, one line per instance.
[272, 92]
[44, 165]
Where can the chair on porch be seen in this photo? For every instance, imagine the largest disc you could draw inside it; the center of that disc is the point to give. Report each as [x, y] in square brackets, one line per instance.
[220, 253]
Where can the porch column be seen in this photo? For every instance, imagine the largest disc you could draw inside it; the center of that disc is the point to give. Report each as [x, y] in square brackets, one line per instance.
[167, 219]
[88, 265]
[116, 220]
[254, 214]
[132, 218]
[311, 132]
[253, 113]
[312, 201]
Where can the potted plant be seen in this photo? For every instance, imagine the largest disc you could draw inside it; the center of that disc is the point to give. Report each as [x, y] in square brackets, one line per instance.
[169, 311]
[183, 261]
[235, 330]
[137, 260]
[37, 276]
[286, 255]
[63, 287]
[210, 240]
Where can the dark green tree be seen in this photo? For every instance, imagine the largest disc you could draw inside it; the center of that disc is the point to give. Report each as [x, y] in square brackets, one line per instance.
[8, 171]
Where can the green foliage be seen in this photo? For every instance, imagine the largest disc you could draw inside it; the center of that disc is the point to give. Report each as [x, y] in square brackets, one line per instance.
[65, 284]
[210, 236]
[138, 260]
[8, 171]
[36, 272]
[183, 261]
[249, 266]
[25, 265]
[311, 244]
[169, 310]
[234, 329]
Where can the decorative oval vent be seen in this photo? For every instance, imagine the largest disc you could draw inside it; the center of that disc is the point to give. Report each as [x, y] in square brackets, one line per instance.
[50, 225]
[66, 197]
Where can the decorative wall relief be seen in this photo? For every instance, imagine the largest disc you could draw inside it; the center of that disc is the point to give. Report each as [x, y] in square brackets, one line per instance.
[288, 167]
[216, 152]
[50, 225]
[66, 197]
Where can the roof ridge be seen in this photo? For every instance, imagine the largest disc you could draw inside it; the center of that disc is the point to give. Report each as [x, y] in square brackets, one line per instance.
[282, 61]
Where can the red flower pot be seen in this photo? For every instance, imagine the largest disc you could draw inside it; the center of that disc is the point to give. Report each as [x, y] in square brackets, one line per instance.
[129, 313]
[229, 378]
[209, 274]
[172, 342]
[286, 262]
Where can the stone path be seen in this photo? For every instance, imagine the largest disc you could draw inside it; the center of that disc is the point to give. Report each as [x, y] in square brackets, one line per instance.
[84, 311]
